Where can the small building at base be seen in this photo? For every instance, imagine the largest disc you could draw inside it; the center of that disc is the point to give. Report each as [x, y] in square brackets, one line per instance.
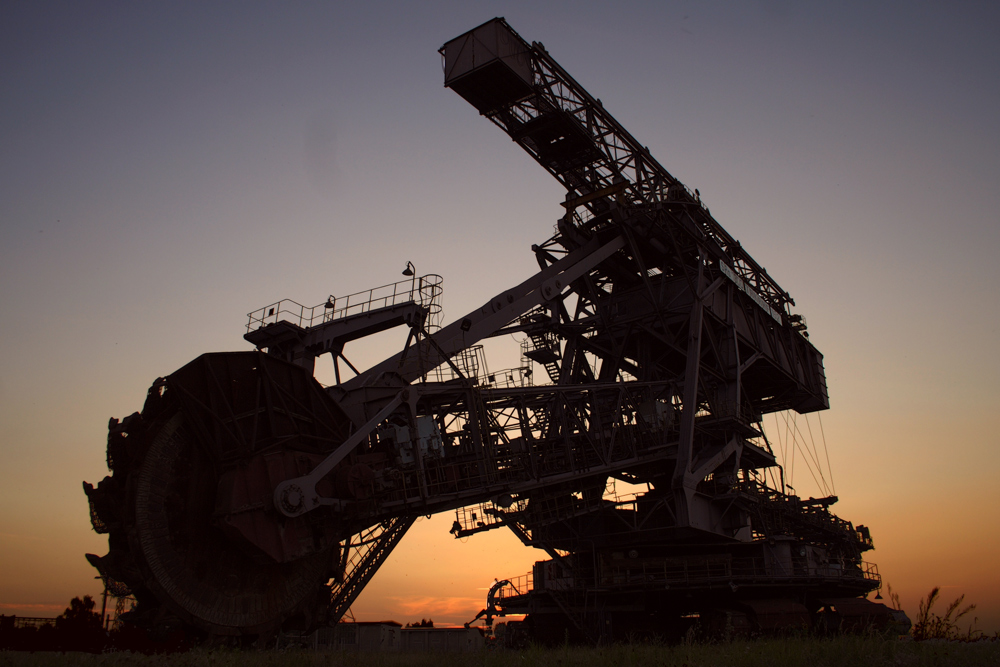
[380, 636]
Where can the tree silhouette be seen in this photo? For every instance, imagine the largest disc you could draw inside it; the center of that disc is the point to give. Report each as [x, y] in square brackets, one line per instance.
[80, 628]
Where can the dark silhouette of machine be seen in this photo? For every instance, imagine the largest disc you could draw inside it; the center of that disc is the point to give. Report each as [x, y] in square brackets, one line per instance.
[245, 496]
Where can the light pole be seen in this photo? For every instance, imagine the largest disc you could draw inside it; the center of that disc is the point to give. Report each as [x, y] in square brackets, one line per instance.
[411, 271]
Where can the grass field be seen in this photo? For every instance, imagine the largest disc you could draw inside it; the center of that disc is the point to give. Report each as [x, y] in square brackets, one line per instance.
[812, 652]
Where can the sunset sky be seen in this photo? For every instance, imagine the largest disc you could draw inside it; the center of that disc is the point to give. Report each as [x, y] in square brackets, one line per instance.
[165, 168]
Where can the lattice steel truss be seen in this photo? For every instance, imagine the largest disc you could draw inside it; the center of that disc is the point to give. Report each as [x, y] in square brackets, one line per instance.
[607, 161]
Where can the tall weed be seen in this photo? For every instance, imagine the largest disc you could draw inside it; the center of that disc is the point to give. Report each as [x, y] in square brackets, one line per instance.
[930, 625]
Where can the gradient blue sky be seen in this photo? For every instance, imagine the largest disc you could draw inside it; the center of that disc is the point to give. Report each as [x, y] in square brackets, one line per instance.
[166, 168]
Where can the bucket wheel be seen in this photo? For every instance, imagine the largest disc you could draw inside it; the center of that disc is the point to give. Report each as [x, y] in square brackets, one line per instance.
[164, 514]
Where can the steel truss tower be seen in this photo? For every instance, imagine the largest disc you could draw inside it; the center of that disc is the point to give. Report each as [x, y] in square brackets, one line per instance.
[675, 346]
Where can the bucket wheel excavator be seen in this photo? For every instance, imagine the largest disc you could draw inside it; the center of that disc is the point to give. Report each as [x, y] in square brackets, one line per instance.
[246, 497]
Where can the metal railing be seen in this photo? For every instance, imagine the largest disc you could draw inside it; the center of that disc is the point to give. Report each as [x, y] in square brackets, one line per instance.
[19, 622]
[423, 290]
[518, 586]
[735, 572]
[470, 362]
